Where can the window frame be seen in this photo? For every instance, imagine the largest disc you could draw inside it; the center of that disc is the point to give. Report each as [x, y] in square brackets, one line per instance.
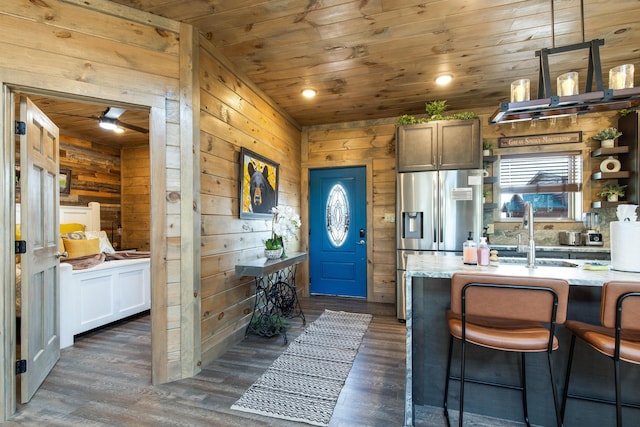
[574, 190]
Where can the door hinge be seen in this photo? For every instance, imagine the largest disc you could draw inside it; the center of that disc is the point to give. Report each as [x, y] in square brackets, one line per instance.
[21, 366]
[21, 247]
[21, 128]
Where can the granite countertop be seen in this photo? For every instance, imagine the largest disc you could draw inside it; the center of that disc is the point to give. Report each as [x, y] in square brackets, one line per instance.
[444, 266]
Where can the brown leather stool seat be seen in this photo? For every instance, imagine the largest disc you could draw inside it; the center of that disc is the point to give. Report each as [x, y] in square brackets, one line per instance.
[617, 336]
[505, 313]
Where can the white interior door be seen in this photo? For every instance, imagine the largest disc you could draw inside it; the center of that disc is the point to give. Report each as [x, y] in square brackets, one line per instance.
[39, 199]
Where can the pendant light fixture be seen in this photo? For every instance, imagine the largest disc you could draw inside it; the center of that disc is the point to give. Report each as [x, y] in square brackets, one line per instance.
[569, 101]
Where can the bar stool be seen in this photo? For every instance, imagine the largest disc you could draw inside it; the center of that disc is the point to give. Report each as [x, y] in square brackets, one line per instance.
[617, 336]
[509, 314]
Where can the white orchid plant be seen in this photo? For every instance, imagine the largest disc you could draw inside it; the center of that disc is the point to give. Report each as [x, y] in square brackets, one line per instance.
[284, 224]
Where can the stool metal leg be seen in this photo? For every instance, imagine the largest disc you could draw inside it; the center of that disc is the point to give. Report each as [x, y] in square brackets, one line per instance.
[616, 374]
[462, 360]
[554, 390]
[566, 378]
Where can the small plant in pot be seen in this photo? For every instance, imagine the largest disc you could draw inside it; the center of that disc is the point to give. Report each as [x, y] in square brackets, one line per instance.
[607, 136]
[487, 147]
[612, 191]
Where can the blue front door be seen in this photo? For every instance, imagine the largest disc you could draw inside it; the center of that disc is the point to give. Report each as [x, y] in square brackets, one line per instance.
[338, 235]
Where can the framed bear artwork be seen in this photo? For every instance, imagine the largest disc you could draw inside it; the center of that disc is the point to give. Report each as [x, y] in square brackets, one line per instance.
[258, 185]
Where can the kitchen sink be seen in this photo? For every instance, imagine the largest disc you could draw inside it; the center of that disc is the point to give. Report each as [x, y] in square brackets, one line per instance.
[540, 261]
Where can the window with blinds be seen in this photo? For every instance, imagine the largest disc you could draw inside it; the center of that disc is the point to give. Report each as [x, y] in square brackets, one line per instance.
[551, 182]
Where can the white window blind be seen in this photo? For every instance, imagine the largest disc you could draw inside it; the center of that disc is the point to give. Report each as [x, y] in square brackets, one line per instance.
[541, 174]
[551, 182]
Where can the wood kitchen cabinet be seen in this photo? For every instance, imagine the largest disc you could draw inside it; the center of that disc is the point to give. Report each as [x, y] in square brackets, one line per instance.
[442, 144]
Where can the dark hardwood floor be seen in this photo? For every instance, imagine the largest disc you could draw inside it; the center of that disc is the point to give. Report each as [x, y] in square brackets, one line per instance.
[104, 379]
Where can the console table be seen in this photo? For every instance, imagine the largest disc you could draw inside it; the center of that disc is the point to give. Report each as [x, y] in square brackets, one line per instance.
[276, 297]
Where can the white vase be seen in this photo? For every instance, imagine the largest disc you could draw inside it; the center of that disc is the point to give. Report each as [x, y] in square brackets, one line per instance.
[606, 143]
[612, 198]
[610, 164]
[273, 253]
[486, 152]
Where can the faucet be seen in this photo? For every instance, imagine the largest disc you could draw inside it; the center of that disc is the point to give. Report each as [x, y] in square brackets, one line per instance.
[527, 223]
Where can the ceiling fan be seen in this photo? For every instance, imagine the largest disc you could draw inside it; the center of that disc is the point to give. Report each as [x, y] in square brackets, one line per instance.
[109, 120]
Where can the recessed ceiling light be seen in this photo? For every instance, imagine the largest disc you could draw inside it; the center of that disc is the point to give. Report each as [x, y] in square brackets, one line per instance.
[309, 93]
[444, 79]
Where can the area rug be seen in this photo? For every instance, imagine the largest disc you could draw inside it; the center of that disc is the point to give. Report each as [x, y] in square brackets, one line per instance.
[304, 383]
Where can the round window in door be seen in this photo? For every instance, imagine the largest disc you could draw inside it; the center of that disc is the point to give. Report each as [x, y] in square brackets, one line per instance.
[337, 215]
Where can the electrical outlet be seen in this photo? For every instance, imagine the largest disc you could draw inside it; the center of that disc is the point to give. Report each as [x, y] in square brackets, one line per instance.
[490, 229]
[389, 217]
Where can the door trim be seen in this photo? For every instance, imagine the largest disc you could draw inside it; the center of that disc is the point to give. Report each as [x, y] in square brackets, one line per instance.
[157, 146]
[304, 215]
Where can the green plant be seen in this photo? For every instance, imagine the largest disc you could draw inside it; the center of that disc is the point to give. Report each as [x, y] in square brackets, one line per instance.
[436, 109]
[268, 323]
[486, 145]
[462, 116]
[405, 119]
[612, 190]
[284, 223]
[609, 133]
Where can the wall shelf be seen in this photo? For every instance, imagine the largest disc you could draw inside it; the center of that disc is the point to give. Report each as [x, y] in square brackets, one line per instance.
[605, 204]
[610, 175]
[620, 149]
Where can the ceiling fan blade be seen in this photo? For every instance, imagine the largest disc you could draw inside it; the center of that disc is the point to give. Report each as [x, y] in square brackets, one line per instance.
[132, 127]
[72, 115]
[113, 112]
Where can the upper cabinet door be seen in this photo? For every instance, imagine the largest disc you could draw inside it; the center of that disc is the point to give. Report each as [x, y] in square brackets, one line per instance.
[446, 145]
[417, 147]
[459, 144]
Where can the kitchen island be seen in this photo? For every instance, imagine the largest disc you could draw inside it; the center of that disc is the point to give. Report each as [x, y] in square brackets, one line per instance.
[428, 297]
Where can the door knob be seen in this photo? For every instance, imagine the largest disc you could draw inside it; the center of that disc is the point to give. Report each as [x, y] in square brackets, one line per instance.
[62, 255]
[361, 242]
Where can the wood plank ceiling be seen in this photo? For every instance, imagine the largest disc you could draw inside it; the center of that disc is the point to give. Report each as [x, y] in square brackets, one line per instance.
[80, 120]
[373, 59]
[379, 58]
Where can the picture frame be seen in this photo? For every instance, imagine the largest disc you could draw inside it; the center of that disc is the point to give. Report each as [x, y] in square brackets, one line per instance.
[258, 184]
[64, 181]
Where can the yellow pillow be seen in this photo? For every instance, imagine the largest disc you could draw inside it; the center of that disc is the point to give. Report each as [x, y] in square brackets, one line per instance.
[71, 227]
[78, 248]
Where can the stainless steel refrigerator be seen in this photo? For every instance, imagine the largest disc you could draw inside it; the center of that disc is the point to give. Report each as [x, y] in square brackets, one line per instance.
[435, 211]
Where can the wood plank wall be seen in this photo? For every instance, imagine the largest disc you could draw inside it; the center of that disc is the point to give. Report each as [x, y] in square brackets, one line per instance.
[589, 125]
[235, 114]
[95, 177]
[100, 50]
[370, 143]
[136, 198]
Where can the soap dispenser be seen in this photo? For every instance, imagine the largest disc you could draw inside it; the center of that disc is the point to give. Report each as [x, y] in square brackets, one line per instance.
[470, 251]
[483, 252]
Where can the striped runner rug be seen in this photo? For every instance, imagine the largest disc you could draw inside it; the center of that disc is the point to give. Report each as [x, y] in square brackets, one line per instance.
[304, 383]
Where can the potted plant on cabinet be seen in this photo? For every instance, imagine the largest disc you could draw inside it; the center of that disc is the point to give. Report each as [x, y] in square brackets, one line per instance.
[612, 191]
[607, 136]
[487, 147]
